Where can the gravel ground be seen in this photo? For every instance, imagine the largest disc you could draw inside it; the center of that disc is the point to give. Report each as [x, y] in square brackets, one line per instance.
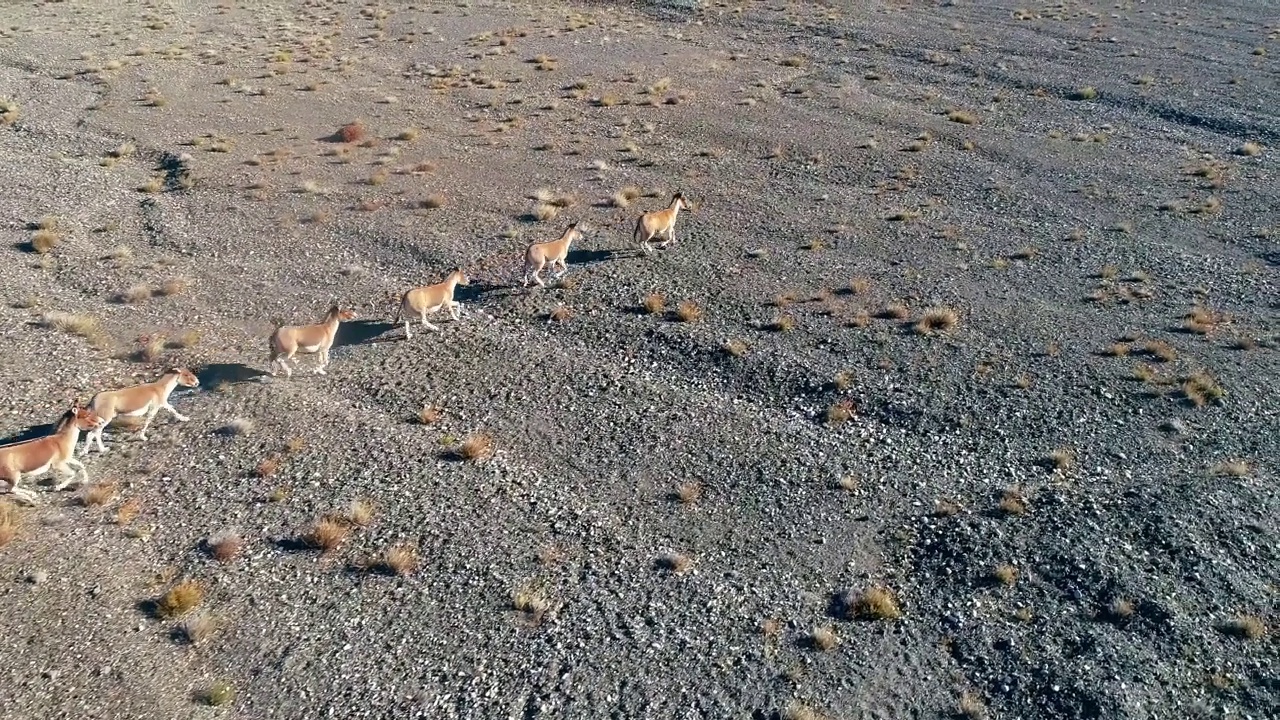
[1065, 483]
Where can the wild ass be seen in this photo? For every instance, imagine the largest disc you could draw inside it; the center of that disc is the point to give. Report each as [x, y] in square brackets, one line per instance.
[553, 253]
[289, 340]
[145, 399]
[57, 452]
[659, 222]
[430, 299]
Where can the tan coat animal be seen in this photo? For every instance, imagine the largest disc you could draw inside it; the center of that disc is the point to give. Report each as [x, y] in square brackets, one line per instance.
[659, 222]
[57, 452]
[552, 252]
[145, 399]
[424, 301]
[289, 340]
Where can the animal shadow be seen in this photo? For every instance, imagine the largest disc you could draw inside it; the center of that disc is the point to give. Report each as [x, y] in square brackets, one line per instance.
[213, 376]
[590, 257]
[361, 332]
[32, 433]
[475, 291]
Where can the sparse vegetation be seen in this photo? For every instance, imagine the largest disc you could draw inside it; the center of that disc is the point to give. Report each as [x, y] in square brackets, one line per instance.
[1200, 389]
[478, 446]
[840, 412]
[197, 628]
[823, 638]
[97, 494]
[1247, 627]
[1013, 502]
[689, 493]
[8, 523]
[400, 559]
[675, 562]
[1005, 574]
[327, 533]
[970, 706]
[219, 694]
[360, 513]
[938, 319]
[1231, 468]
[734, 348]
[688, 311]
[1060, 459]
[181, 599]
[430, 414]
[875, 603]
[224, 545]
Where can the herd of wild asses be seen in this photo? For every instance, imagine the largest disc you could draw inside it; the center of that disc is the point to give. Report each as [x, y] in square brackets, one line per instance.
[57, 451]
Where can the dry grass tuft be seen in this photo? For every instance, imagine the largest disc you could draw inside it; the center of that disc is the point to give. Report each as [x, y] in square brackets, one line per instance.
[188, 339]
[267, 467]
[688, 311]
[946, 508]
[1084, 93]
[781, 323]
[1249, 149]
[432, 202]
[963, 117]
[180, 599]
[939, 319]
[1013, 502]
[430, 414]
[840, 413]
[1061, 459]
[219, 694]
[97, 495]
[875, 603]
[1121, 609]
[1231, 468]
[352, 132]
[689, 493]
[1005, 574]
[134, 294]
[894, 311]
[1201, 321]
[1248, 627]
[675, 562]
[400, 559]
[360, 513]
[408, 134]
[823, 638]
[532, 603]
[44, 241]
[128, 511]
[561, 314]
[196, 629]
[735, 348]
[1159, 350]
[326, 533]
[860, 285]
[224, 545]
[1201, 388]
[654, 303]
[544, 212]
[478, 446]
[8, 523]
[238, 426]
[971, 706]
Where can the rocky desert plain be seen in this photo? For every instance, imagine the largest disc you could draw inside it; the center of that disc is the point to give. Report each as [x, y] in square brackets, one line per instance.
[956, 396]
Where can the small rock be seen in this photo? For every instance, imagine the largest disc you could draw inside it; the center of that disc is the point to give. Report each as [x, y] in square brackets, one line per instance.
[38, 576]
